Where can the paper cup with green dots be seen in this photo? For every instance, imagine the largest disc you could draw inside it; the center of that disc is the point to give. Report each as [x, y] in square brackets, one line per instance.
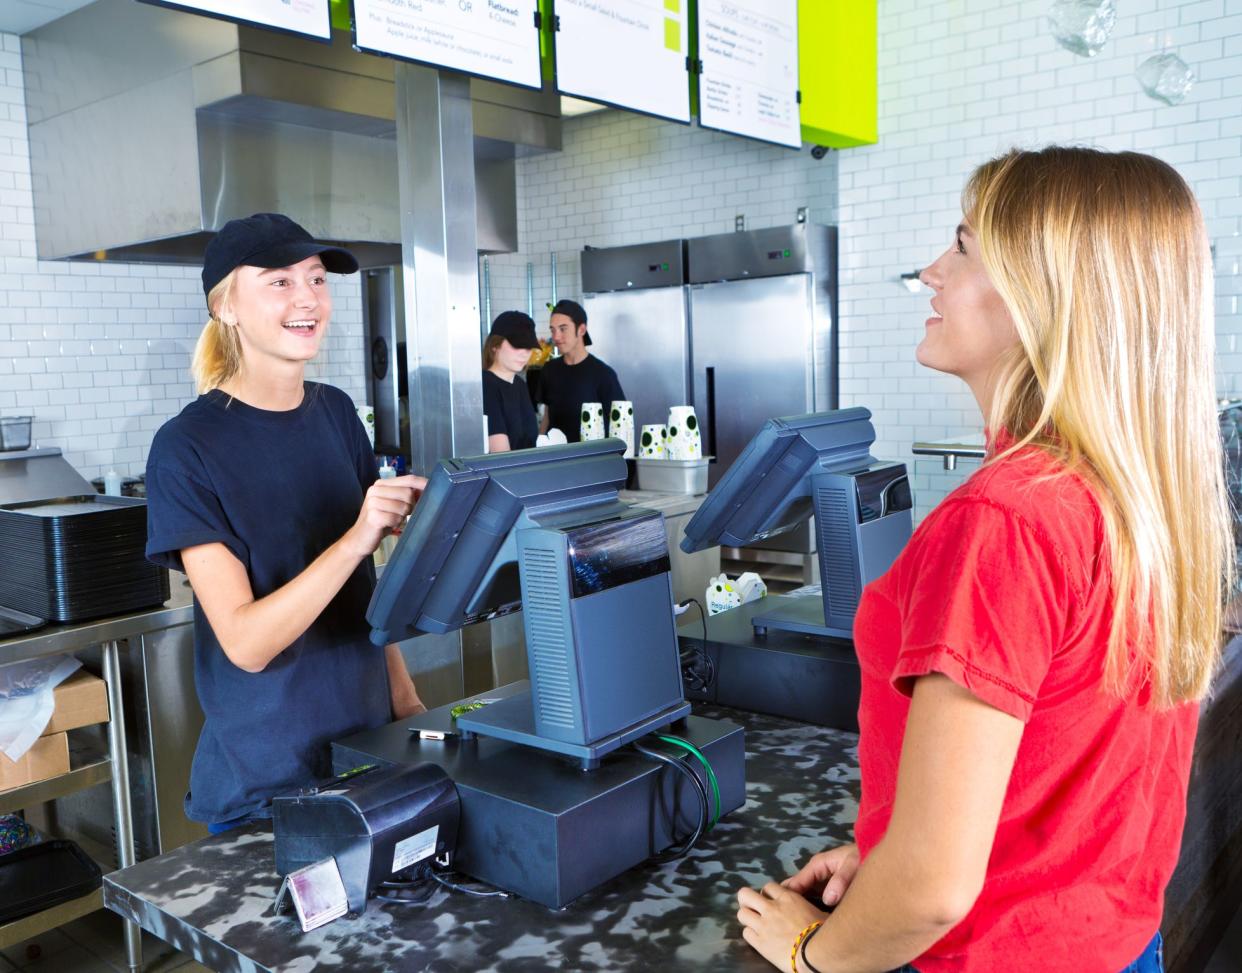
[721, 595]
[621, 424]
[651, 442]
[685, 440]
[592, 421]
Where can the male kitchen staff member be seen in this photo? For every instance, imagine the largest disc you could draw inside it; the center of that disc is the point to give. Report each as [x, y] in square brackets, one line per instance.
[577, 376]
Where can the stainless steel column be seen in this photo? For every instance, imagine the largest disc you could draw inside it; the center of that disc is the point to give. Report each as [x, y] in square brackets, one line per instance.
[119, 756]
[439, 255]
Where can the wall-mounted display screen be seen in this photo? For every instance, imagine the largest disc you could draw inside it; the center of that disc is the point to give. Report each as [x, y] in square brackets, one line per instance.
[749, 84]
[495, 39]
[628, 53]
[309, 17]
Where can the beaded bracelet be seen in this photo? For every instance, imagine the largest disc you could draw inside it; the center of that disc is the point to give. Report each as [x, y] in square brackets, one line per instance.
[806, 934]
[802, 948]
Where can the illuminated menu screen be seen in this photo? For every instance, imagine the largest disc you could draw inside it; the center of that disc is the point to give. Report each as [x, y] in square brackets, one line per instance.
[749, 84]
[309, 17]
[628, 53]
[495, 39]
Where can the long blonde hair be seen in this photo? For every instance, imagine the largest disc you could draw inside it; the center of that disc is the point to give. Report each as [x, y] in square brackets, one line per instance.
[218, 353]
[1103, 262]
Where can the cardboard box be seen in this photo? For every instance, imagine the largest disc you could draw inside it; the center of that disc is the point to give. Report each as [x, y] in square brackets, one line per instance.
[49, 757]
[81, 700]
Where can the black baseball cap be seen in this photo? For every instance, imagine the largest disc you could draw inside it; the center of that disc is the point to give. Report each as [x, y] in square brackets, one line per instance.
[575, 312]
[267, 240]
[516, 328]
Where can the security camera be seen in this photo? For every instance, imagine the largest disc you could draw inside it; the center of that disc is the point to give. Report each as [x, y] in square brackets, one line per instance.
[818, 151]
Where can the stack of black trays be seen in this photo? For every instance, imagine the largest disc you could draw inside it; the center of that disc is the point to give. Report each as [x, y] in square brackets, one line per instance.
[75, 558]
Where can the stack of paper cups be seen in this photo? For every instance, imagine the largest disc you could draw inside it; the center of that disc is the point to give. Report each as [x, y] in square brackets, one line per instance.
[651, 442]
[684, 438]
[621, 425]
[367, 415]
[592, 421]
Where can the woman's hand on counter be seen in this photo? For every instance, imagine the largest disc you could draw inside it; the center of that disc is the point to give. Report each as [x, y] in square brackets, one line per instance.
[772, 918]
[384, 509]
[827, 875]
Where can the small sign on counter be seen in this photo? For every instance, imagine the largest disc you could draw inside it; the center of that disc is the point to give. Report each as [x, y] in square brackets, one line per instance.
[317, 892]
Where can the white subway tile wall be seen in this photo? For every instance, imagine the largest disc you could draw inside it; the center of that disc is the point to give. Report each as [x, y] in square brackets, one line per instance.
[623, 178]
[962, 82]
[99, 353]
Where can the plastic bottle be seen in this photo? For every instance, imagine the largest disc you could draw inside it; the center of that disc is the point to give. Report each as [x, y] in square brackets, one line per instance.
[112, 483]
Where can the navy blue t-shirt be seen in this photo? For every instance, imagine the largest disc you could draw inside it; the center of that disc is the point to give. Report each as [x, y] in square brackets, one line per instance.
[277, 489]
[565, 387]
[509, 410]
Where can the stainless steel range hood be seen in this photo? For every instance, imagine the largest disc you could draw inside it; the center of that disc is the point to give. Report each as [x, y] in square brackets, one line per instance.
[151, 128]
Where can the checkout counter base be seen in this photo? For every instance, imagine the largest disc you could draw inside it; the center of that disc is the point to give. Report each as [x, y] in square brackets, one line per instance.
[810, 678]
[534, 823]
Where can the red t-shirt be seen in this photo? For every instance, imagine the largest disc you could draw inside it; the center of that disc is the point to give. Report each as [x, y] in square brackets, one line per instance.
[1005, 588]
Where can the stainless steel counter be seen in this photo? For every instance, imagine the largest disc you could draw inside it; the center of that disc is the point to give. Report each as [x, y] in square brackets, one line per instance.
[55, 639]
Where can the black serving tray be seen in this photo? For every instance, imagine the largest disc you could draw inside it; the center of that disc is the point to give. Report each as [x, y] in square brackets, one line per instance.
[43, 875]
[68, 559]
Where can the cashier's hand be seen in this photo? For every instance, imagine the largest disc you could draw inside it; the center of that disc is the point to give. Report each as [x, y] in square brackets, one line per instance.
[384, 509]
[772, 918]
[827, 875]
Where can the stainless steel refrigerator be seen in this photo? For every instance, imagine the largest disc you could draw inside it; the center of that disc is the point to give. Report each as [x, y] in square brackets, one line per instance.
[763, 343]
[741, 325]
[635, 299]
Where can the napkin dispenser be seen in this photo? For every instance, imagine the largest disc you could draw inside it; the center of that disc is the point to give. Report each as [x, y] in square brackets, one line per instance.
[372, 821]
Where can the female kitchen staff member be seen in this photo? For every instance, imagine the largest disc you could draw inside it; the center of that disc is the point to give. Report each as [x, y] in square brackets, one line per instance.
[264, 491]
[1031, 662]
[511, 421]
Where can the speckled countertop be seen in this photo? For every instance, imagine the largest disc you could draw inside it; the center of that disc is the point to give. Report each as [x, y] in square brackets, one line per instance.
[212, 899]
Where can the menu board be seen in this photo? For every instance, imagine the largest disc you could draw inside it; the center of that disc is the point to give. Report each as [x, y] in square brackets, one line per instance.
[495, 39]
[308, 17]
[749, 83]
[628, 53]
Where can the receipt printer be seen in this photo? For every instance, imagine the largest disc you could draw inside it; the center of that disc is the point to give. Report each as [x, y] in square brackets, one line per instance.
[373, 821]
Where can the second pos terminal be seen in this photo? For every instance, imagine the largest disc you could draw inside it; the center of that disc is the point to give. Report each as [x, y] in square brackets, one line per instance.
[793, 655]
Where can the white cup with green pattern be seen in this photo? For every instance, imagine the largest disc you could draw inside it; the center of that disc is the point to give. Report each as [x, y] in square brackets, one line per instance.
[591, 425]
[685, 440]
[621, 424]
[651, 442]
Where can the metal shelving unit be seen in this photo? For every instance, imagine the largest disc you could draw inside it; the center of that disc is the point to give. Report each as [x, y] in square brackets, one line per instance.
[89, 767]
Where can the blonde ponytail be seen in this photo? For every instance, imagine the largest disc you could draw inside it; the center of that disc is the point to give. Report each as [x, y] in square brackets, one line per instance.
[218, 354]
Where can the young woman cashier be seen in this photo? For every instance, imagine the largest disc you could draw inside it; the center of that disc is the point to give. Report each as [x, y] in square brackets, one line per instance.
[264, 491]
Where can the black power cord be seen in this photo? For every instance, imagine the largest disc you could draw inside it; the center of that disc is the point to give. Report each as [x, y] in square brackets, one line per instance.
[696, 664]
[675, 854]
[418, 888]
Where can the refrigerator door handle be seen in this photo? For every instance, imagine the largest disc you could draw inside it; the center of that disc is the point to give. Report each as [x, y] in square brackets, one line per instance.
[710, 390]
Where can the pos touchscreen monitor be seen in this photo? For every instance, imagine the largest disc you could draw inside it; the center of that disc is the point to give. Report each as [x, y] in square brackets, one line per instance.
[821, 465]
[544, 530]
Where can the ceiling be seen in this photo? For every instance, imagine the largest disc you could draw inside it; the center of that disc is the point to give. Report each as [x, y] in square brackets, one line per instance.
[21, 16]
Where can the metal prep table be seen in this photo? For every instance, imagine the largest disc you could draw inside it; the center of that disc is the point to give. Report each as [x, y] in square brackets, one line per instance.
[88, 768]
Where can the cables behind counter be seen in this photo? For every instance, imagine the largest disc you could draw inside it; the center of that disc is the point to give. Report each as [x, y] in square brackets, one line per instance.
[697, 670]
